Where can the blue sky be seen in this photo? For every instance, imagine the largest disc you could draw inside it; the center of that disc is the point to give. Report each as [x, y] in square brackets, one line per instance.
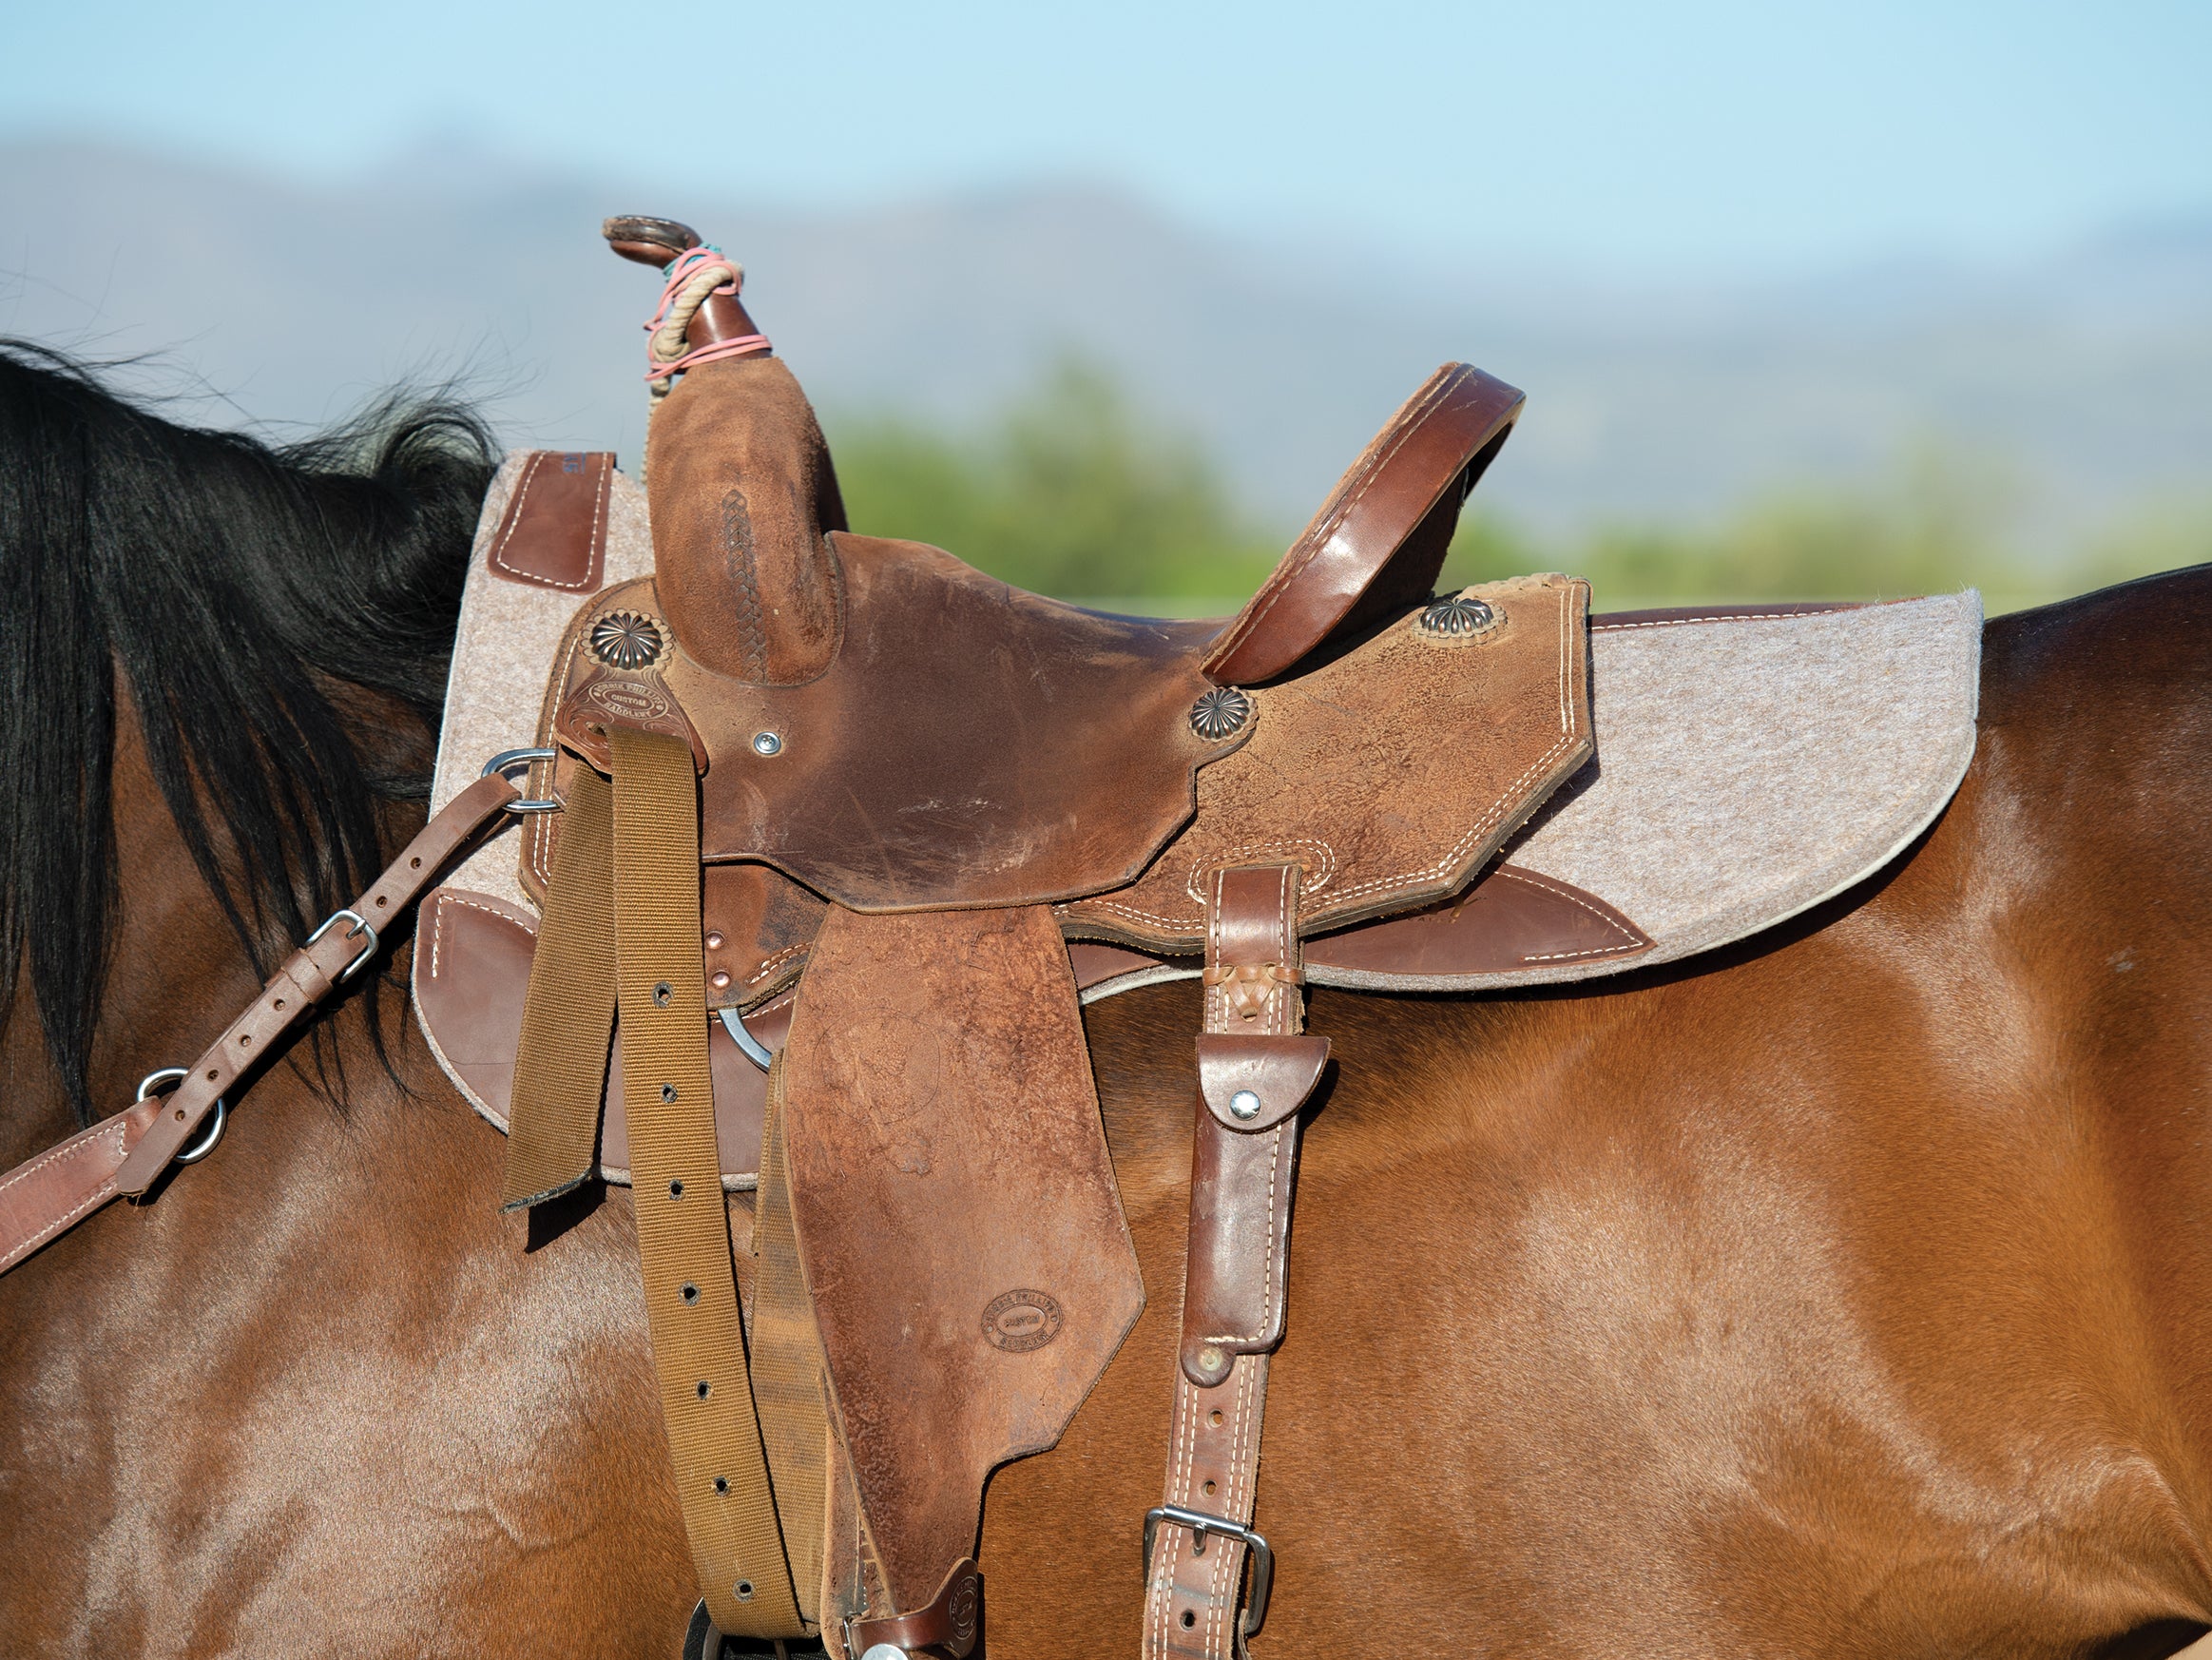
[1613, 139]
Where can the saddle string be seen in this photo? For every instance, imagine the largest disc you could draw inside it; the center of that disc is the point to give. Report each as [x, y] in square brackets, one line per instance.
[693, 275]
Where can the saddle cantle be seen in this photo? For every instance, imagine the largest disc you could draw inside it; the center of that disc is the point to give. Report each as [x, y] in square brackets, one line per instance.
[891, 819]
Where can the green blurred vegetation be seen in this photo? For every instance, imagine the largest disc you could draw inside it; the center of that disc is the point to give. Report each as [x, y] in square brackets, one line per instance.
[1071, 493]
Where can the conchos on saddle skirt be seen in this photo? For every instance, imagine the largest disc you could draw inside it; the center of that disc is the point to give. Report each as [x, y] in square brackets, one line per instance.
[1402, 1124]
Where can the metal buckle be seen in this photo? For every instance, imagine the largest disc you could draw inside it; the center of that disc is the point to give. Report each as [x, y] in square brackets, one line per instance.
[212, 1133]
[361, 925]
[1202, 1524]
[508, 758]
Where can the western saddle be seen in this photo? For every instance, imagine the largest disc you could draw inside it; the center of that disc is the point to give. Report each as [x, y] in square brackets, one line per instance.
[931, 781]
[846, 810]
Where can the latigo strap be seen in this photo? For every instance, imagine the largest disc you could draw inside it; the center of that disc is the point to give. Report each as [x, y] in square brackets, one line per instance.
[1254, 1073]
[127, 1153]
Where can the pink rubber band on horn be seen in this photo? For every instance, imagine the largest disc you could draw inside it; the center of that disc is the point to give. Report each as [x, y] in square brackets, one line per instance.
[686, 266]
[729, 348]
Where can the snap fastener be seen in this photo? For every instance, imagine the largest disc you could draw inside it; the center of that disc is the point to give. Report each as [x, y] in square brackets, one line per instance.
[1244, 1104]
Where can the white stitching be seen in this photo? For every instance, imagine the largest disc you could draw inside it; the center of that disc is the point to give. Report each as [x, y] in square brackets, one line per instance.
[437, 923]
[1458, 849]
[1281, 581]
[514, 513]
[1560, 890]
[1597, 628]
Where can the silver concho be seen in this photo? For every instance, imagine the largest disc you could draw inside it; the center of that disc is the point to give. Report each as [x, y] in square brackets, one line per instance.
[625, 640]
[1457, 617]
[1221, 713]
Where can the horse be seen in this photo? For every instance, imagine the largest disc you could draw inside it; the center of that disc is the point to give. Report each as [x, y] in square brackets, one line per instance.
[1843, 1292]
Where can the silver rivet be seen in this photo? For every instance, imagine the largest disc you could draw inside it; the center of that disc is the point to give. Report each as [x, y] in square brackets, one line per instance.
[1455, 617]
[1221, 713]
[883, 1651]
[1244, 1104]
[625, 640]
[1211, 1357]
[767, 743]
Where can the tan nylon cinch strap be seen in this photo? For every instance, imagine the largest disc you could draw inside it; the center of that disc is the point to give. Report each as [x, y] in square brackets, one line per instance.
[1191, 1592]
[788, 1386]
[568, 1016]
[684, 1240]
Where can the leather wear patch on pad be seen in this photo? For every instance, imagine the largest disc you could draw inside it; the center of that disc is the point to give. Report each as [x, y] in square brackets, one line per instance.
[554, 532]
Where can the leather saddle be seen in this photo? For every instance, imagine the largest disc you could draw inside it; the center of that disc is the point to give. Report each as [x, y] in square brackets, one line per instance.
[848, 803]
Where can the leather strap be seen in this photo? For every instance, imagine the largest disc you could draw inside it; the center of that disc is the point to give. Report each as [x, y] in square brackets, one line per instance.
[1236, 1274]
[1383, 530]
[53, 1192]
[949, 1625]
[567, 1012]
[684, 1236]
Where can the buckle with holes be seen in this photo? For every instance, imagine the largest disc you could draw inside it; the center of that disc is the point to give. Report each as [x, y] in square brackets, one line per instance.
[1201, 1526]
[361, 925]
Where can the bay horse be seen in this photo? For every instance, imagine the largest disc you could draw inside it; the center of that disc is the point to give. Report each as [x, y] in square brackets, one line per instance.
[1847, 1292]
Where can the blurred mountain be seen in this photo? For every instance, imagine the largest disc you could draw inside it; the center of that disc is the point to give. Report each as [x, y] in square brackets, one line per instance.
[2080, 377]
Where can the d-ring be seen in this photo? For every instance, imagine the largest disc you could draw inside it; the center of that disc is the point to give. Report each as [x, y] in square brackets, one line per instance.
[208, 1137]
[507, 760]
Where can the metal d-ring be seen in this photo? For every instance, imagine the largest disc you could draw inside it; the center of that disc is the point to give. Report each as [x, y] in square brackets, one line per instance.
[361, 925]
[734, 1023]
[508, 758]
[208, 1137]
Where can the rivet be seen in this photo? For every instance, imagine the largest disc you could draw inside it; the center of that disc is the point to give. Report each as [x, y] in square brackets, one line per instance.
[667, 1092]
[1211, 1357]
[1457, 617]
[721, 978]
[767, 743]
[625, 640]
[714, 939]
[1221, 713]
[1244, 1104]
[663, 994]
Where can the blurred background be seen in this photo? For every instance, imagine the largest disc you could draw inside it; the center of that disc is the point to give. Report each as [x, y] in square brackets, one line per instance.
[1810, 301]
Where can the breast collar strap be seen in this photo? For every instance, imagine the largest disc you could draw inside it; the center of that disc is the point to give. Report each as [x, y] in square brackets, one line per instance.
[51, 1193]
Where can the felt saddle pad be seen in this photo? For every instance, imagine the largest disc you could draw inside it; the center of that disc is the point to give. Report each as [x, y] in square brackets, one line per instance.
[1749, 764]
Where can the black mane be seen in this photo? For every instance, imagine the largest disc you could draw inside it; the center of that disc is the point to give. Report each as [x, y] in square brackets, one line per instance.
[256, 602]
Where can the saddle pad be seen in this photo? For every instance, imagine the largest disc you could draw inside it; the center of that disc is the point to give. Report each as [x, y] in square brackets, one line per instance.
[1750, 764]
[512, 621]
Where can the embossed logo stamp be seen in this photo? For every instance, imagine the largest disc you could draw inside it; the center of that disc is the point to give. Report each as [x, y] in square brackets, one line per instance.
[1018, 1321]
[628, 700]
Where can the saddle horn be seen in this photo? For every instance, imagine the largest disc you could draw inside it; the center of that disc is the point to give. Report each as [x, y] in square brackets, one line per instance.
[743, 490]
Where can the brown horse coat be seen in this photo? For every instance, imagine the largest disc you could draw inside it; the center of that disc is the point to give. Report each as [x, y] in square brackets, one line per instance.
[1846, 1293]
